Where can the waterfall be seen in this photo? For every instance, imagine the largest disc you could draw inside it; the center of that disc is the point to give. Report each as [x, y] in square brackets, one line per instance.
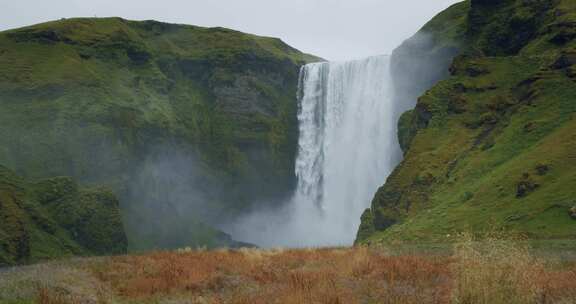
[347, 148]
[346, 145]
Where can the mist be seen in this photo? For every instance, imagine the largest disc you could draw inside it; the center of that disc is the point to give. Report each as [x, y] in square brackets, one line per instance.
[170, 202]
[346, 151]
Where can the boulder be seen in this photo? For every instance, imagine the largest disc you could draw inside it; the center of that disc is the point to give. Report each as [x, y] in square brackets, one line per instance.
[525, 186]
[565, 60]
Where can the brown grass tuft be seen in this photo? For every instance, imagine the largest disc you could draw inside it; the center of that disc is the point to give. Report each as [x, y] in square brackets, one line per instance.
[502, 270]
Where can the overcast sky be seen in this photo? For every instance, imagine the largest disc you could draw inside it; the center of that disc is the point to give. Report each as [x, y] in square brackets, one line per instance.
[332, 29]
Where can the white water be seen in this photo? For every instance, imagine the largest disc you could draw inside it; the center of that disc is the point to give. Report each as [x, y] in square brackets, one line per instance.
[347, 148]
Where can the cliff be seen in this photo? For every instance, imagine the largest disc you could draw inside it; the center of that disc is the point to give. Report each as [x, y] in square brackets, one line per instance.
[189, 126]
[491, 142]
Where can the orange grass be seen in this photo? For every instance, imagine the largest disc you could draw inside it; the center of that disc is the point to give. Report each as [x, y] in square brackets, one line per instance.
[500, 272]
[330, 276]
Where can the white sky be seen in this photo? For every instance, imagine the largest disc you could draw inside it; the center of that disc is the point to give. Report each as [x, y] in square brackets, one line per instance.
[332, 29]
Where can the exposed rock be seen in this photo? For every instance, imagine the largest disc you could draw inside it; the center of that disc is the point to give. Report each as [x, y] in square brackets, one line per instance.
[423, 116]
[525, 186]
[529, 127]
[567, 59]
[542, 169]
[502, 28]
[465, 65]
[515, 217]
[406, 130]
[457, 105]
[572, 212]
[565, 32]
[33, 35]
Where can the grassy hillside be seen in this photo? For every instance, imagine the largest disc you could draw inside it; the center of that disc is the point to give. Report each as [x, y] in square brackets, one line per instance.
[54, 218]
[149, 107]
[493, 145]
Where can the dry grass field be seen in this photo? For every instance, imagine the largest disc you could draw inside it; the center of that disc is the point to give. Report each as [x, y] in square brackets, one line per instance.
[496, 272]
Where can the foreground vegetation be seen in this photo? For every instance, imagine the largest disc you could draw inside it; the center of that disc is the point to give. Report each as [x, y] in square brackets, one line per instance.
[491, 271]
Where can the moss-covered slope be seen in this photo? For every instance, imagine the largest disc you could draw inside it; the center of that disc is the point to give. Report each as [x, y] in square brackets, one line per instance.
[493, 145]
[142, 106]
[54, 218]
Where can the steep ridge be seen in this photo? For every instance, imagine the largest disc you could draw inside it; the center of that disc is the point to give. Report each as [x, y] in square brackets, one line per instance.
[55, 217]
[492, 146]
[188, 125]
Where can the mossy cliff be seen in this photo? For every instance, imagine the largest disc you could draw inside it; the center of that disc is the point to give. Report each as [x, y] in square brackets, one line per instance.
[148, 107]
[492, 144]
[54, 217]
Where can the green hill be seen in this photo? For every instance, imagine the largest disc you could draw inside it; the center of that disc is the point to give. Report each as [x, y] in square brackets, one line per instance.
[187, 125]
[492, 145]
[54, 217]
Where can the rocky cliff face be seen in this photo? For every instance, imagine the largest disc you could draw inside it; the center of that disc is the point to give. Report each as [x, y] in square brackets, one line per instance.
[55, 217]
[492, 145]
[188, 125]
